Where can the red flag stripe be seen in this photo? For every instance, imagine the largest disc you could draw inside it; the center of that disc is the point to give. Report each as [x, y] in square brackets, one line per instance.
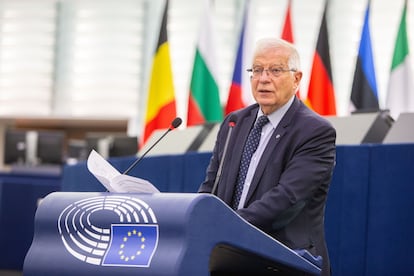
[321, 96]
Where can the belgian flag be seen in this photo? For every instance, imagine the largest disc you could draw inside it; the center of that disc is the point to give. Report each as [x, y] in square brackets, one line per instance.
[161, 106]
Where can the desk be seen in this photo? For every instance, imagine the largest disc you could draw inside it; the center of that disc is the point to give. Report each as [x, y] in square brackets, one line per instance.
[169, 173]
[368, 219]
[19, 195]
[368, 222]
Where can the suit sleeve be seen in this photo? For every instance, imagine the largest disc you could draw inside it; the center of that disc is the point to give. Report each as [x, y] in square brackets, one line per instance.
[302, 175]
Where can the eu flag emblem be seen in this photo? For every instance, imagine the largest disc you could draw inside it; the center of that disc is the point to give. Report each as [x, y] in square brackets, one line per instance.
[131, 245]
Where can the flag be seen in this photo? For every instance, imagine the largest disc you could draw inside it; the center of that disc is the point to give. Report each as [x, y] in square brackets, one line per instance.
[400, 95]
[204, 99]
[321, 97]
[240, 93]
[364, 95]
[131, 245]
[287, 31]
[161, 108]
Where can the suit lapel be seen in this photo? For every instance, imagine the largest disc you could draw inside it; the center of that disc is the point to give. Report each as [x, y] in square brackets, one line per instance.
[239, 137]
[277, 135]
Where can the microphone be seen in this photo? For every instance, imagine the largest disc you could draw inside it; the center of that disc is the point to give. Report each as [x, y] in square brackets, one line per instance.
[232, 123]
[174, 124]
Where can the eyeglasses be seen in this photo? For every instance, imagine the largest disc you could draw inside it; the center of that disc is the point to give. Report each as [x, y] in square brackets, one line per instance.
[274, 71]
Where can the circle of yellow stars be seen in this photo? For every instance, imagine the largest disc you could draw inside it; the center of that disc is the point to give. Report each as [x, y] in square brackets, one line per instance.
[129, 235]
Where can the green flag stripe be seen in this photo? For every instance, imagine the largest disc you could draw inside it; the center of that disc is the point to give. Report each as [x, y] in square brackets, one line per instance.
[205, 91]
[401, 45]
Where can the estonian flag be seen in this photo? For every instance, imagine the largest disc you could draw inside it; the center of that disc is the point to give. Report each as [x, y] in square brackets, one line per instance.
[364, 95]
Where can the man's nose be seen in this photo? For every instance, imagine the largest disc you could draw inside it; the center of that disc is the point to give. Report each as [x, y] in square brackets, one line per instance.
[265, 74]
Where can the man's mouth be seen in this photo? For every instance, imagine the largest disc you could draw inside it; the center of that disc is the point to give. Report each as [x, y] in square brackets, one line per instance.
[263, 91]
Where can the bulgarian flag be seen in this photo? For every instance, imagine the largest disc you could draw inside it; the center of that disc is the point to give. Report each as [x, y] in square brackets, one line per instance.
[400, 97]
[161, 109]
[204, 98]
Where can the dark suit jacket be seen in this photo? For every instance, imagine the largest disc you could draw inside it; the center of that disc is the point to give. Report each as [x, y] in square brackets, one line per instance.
[288, 192]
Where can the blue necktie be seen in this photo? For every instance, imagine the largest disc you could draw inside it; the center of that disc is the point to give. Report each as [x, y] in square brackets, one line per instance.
[249, 148]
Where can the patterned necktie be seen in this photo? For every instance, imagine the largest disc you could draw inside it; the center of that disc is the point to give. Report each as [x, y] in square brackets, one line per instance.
[249, 148]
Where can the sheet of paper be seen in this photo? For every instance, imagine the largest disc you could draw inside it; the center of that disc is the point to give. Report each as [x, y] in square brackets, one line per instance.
[113, 180]
[101, 169]
[128, 184]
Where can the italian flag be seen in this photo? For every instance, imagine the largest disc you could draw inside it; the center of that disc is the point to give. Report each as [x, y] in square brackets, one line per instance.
[400, 97]
[204, 98]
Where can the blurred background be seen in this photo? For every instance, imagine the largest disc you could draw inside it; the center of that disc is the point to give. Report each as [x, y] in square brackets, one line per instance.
[83, 66]
[74, 76]
[93, 57]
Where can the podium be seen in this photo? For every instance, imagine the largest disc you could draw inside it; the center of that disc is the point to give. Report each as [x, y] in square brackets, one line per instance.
[152, 234]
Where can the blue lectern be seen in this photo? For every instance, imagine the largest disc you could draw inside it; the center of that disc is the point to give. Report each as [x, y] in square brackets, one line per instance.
[152, 234]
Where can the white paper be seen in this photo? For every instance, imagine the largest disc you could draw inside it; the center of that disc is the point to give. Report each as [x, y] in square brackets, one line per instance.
[113, 180]
[127, 184]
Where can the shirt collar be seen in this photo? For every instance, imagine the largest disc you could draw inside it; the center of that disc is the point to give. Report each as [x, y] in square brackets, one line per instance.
[277, 115]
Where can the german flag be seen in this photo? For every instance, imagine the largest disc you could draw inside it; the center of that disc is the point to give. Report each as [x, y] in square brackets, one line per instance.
[161, 107]
[321, 96]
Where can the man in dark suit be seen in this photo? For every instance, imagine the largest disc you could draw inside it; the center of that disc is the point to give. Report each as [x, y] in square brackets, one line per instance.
[284, 185]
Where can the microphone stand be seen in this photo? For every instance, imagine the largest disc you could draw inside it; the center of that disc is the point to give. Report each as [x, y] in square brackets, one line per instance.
[175, 123]
[220, 169]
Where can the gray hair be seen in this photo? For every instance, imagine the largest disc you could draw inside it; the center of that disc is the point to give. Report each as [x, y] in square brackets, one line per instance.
[266, 43]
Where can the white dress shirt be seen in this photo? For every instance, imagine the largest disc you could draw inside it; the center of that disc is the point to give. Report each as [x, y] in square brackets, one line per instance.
[267, 132]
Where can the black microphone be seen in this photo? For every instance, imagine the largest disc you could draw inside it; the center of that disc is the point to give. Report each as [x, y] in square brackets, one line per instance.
[232, 123]
[174, 124]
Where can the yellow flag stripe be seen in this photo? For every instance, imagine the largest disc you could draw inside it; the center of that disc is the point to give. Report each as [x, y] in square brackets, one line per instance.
[161, 89]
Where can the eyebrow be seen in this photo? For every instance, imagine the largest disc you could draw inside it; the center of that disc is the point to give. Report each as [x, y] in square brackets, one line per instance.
[272, 65]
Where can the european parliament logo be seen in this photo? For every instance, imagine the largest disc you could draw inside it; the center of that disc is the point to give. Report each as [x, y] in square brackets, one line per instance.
[110, 231]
